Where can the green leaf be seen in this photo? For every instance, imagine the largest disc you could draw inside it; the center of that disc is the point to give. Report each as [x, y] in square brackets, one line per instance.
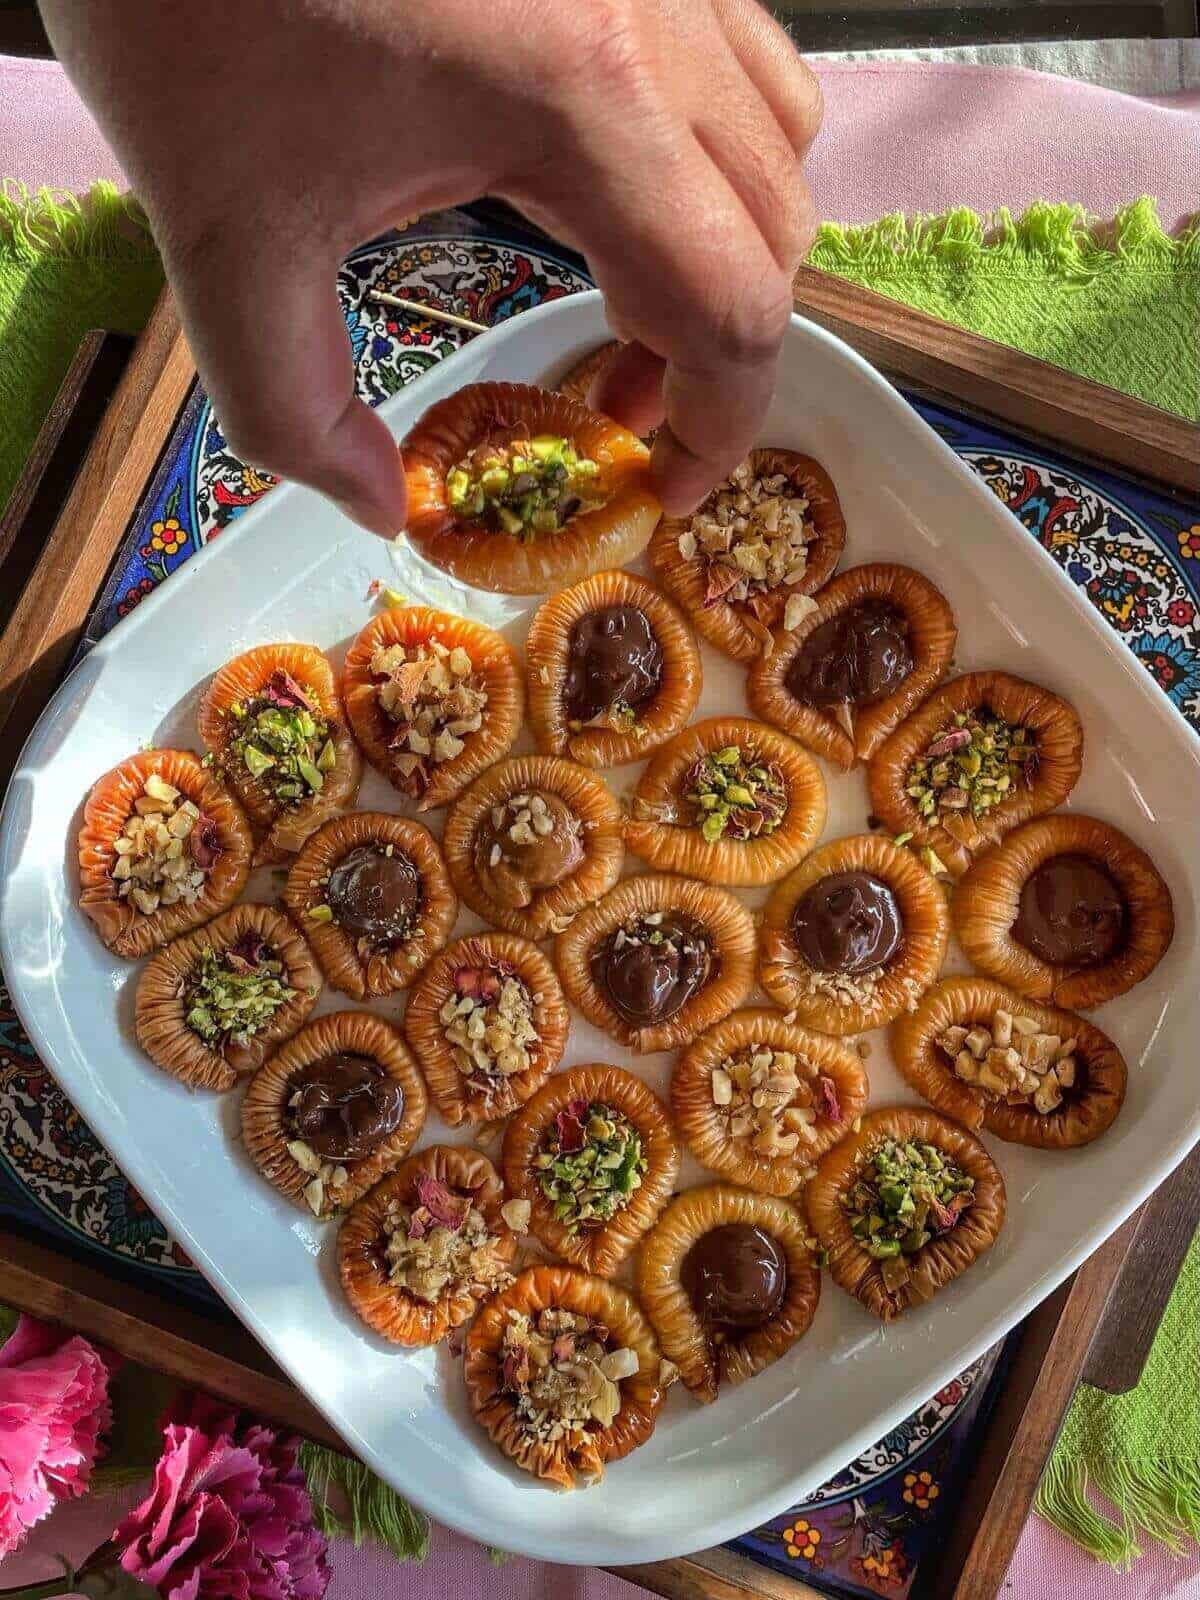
[171, 507]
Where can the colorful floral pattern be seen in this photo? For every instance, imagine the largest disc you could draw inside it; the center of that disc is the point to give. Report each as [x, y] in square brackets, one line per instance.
[1135, 555]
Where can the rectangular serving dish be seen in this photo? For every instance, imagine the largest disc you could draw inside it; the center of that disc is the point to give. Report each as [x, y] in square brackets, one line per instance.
[294, 568]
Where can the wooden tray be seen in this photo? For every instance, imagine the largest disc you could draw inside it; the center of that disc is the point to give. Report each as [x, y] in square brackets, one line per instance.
[59, 539]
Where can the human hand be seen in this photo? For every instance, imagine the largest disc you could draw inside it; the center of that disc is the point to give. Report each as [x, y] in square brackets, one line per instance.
[663, 138]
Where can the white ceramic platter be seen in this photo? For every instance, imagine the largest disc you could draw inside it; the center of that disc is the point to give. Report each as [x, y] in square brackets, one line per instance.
[294, 568]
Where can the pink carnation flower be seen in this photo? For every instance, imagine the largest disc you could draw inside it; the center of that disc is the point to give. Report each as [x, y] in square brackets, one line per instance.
[53, 1408]
[228, 1515]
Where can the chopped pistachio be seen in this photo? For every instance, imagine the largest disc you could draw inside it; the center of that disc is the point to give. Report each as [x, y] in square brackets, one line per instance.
[733, 791]
[287, 747]
[224, 1005]
[525, 488]
[589, 1164]
[971, 765]
[904, 1195]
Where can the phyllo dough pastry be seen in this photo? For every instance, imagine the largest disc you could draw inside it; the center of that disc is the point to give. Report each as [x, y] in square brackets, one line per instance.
[520, 490]
[903, 1206]
[871, 645]
[274, 724]
[372, 893]
[594, 1154]
[164, 846]
[433, 700]
[488, 1021]
[613, 670]
[333, 1109]
[428, 1246]
[730, 1282]
[993, 1060]
[728, 801]
[1066, 909]
[745, 562]
[564, 1373]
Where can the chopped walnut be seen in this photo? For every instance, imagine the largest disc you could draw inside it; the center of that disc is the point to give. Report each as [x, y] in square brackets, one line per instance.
[435, 699]
[845, 989]
[563, 1373]
[442, 1245]
[773, 1098]
[752, 534]
[1011, 1059]
[488, 1024]
[165, 850]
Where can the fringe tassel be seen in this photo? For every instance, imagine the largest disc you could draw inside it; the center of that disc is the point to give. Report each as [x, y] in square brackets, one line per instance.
[1072, 245]
[1157, 1500]
[103, 225]
[372, 1510]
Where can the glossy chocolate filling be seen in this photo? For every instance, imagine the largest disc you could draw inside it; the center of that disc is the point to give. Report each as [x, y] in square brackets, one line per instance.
[613, 658]
[848, 922]
[1071, 912]
[347, 1107]
[512, 869]
[650, 974]
[857, 657]
[374, 896]
[736, 1277]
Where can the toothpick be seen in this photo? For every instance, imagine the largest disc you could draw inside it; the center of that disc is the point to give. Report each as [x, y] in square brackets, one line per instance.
[432, 312]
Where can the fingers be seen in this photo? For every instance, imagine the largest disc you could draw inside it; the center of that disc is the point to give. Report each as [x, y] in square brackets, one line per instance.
[271, 344]
[784, 79]
[631, 389]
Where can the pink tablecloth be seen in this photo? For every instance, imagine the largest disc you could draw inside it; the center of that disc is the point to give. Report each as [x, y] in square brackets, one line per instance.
[953, 135]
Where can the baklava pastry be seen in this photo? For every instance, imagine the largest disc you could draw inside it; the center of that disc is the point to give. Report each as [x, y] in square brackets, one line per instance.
[759, 1099]
[1066, 909]
[853, 936]
[873, 644]
[433, 700]
[729, 1283]
[564, 1373]
[521, 490]
[728, 801]
[213, 1004]
[372, 893]
[427, 1247]
[164, 846]
[333, 1109]
[746, 561]
[658, 960]
[532, 842]
[273, 721]
[613, 670]
[594, 1155]
[903, 1206]
[984, 753]
[488, 1021]
[576, 383]
[993, 1060]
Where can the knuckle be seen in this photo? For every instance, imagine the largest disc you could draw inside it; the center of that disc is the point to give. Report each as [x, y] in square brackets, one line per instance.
[607, 45]
[746, 328]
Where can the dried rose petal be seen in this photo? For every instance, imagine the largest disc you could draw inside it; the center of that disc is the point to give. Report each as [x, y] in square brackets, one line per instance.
[563, 1347]
[418, 1223]
[248, 953]
[945, 1216]
[282, 690]
[570, 1132]
[450, 1210]
[946, 742]
[204, 842]
[828, 1104]
[467, 981]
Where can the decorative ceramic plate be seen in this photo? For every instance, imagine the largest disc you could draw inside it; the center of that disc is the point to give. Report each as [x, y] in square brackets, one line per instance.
[294, 567]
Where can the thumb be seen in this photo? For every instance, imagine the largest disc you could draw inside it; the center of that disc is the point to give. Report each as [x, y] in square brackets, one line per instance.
[272, 349]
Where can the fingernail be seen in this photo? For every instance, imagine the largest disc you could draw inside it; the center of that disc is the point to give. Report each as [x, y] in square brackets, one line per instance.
[375, 518]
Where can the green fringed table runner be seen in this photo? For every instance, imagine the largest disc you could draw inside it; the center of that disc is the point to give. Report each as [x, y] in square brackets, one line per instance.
[1120, 305]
